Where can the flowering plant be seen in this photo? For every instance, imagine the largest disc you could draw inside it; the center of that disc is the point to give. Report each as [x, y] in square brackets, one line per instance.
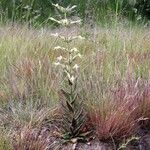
[73, 113]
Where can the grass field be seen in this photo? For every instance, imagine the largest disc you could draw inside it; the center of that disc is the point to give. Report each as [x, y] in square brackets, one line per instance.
[113, 88]
[114, 78]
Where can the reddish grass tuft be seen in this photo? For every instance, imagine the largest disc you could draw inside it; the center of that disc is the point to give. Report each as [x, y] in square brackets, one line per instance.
[116, 110]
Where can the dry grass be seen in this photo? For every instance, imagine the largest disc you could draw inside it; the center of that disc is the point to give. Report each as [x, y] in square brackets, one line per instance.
[30, 139]
[116, 111]
[114, 80]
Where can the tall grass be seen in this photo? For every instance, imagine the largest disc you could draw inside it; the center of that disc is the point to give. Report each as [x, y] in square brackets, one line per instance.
[114, 81]
[37, 12]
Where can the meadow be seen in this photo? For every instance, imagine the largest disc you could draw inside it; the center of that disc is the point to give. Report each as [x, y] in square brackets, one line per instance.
[111, 93]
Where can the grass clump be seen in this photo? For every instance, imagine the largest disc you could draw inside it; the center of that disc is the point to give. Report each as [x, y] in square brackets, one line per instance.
[28, 138]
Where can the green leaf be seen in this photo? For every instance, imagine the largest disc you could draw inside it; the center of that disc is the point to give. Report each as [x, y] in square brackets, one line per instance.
[66, 94]
[69, 107]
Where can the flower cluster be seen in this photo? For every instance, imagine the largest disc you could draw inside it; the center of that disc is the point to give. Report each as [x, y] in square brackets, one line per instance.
[65, 21]
[68, 63]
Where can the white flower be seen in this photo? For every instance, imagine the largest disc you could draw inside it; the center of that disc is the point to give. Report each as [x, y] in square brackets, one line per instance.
[72, 79]
[56, 5]
[55, 34]
[62, 9]
[55, 20]
[57, 63]
[74, 50]
[81, 37]
[65, 22]
[59, 58]
[79, 55]
[76, 67]
[57, 47]
[62, 37]
[69, 9]
[76, 22]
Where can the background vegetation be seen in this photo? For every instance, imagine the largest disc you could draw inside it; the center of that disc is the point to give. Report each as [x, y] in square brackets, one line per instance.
[37, 12]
